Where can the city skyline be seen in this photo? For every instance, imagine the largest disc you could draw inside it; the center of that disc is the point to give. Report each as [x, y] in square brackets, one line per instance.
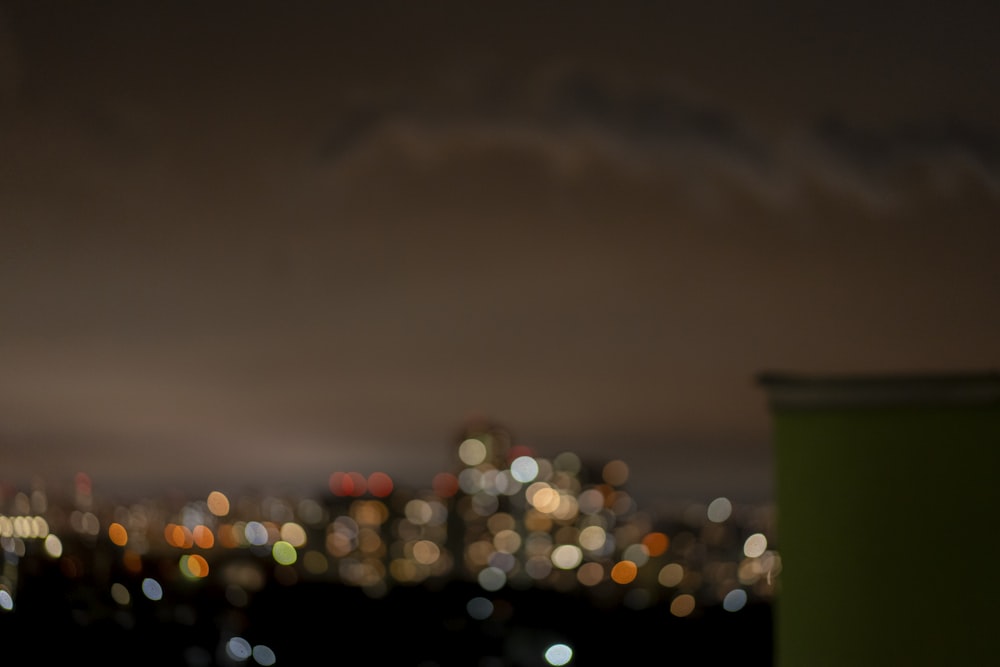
[502, 534]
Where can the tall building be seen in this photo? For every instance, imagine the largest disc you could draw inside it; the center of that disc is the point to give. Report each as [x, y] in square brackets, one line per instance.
[887, 496]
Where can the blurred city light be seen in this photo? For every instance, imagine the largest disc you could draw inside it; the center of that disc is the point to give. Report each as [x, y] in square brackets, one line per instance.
[504, 520]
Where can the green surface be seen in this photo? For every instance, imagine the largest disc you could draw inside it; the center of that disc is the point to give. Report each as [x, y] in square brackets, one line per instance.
[888, 521]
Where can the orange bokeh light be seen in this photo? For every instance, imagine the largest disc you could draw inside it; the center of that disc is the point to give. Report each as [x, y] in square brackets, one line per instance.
[656, 543]
[178, 536]
[196, 565]
[203, 536]
[118, 534]
[227, 536]
[624, 572]
[132, 561]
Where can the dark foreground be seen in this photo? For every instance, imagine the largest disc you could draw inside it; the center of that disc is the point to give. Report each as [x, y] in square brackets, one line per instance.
[56, 622]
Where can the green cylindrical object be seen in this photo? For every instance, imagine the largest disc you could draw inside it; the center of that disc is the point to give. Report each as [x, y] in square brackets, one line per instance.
[888, 519]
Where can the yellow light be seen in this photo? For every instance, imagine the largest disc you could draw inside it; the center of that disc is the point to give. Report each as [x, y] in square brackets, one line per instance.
[284, 553]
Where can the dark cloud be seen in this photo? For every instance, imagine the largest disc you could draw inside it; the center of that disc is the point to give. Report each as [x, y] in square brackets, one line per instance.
[947, 158]
[942, 139]
[655, 118]
[577, 120]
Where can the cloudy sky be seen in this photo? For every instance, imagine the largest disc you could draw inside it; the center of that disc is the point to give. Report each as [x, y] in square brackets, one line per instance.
[252, 243]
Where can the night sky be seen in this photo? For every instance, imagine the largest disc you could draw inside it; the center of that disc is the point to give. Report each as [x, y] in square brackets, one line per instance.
[247, 243]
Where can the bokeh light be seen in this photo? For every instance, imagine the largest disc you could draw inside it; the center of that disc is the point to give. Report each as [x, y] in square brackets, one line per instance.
[615, 472]
[637, 553]
[719, 510]
[239, 649]
[380, 484]
[479, 608]
[178, 536]
[203, 537]
[624, 572]
[218, 503]
[524, 469]
[53, 546]
[492, 578]
[558, 654]
[348, 484]
[263, 655]
[755, 545]
[117, 534]
[735, 600]
[152, 589]
[284, 553]
[445, 485]
[426, 552]
[294, 534]
[567, 556]
[592, 538]
[656, 544]
[682, 605]
[255, 533]
[590, 574]
[120, 594]
[551, 524]
[193, 566]
[472, 451]
[671, 575]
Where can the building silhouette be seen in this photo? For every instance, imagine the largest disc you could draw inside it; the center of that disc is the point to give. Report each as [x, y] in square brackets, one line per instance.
[886, 499]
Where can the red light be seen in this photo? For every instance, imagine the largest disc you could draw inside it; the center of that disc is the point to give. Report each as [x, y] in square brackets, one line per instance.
[445, 485]
[379, 484]
[337, 482]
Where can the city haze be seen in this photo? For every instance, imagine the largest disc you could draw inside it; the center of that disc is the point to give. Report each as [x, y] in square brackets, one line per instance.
[254, 243]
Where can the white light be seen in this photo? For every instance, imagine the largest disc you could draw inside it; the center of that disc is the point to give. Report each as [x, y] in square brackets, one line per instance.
[472, 451]
[256, 533]
[558, 654]
[755, 545]
[719, 510]
[239, 649]
[592, 538]
[567, 556]
[263, 655]
[53, 546]
[492, 578]
[524, 468]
